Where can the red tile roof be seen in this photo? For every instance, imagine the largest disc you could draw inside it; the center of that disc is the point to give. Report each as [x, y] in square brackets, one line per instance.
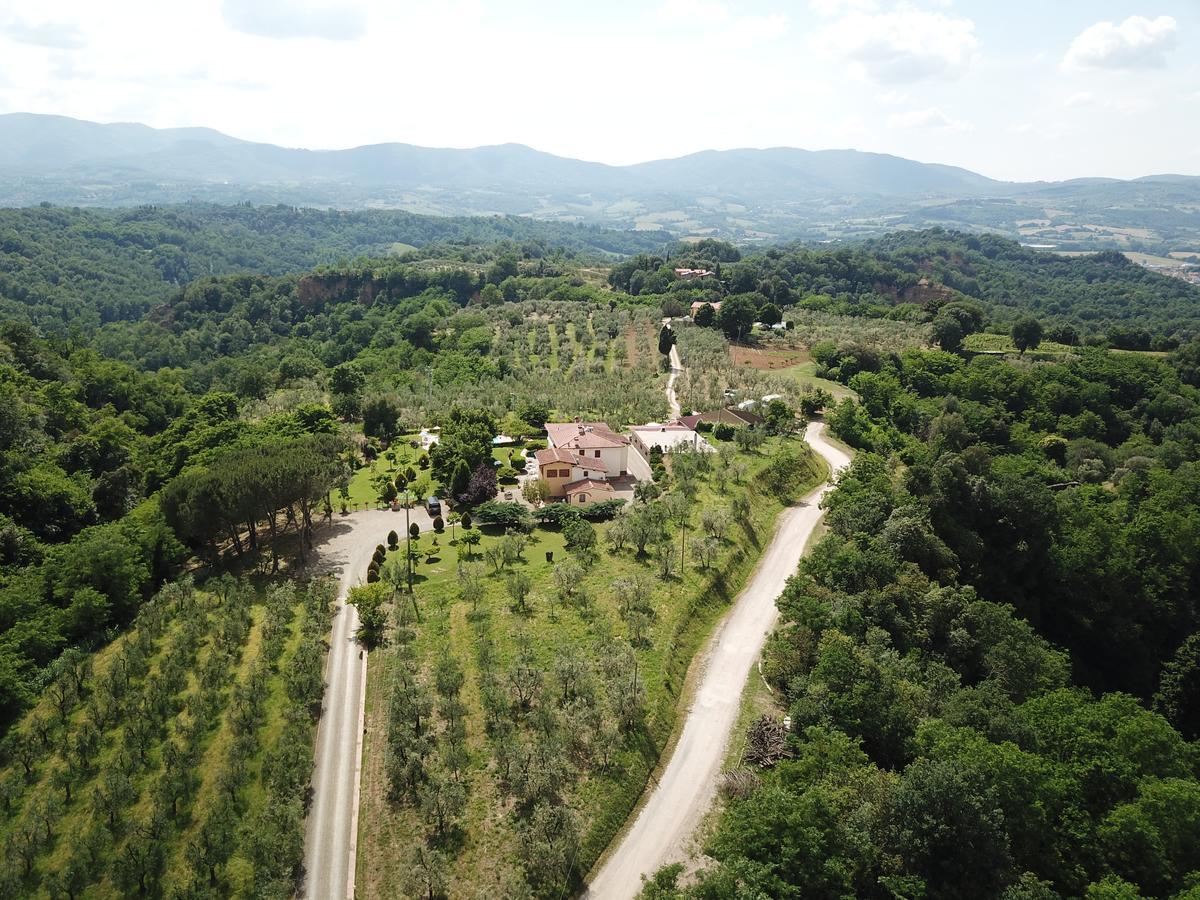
[587, 484]
[553, 455]
[584, 435]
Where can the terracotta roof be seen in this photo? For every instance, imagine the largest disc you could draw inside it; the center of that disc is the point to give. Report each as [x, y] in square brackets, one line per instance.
[691, 421]
[554, 455]
[584, 435]
[696, 304]
[587, 484]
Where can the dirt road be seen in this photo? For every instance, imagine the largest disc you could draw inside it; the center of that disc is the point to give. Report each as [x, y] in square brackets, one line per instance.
[331, 832]
[685, 788]
[676, 369]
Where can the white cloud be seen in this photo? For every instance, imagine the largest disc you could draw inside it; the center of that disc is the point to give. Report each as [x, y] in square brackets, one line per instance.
[739, 32]
[1021, 128]
[840, 7]
[894, 97]
[56, 35]
[902, 45]
[1137, 43]
[333, 21]
[1080, 98]
[693, 12]
[929, 118]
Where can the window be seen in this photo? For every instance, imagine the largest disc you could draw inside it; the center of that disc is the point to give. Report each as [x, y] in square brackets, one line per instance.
[597, 454]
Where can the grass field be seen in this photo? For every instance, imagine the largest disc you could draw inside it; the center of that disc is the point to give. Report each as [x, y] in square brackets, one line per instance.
[491, 852]
[982, 342]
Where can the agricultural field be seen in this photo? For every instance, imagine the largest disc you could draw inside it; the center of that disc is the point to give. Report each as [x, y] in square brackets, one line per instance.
[525, 690]
[174, 761]
[583, 358]
[985, 342]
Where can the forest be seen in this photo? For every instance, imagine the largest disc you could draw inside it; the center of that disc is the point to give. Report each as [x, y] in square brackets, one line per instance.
[991, 662]
[69, 271]
[1000, 631]
[1100, 298]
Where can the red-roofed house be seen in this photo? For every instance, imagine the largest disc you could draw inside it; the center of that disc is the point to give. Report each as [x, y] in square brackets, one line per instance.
[559, 469]
[593, 441]
[587, 490]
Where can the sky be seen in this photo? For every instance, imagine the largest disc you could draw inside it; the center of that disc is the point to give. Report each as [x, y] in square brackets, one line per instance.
[1014, 89]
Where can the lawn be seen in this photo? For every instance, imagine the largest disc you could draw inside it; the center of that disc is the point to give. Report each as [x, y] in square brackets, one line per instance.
[983, 342]
[484, 856]
[805, 375]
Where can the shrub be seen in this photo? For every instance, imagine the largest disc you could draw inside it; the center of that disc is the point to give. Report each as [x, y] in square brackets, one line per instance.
[503, 512]
[531, 447]
[705, 427]
[414, 531]
[506, 473]
[559, 514]
[723, 431]
[393, 540]
[439, 524]
[602, 511]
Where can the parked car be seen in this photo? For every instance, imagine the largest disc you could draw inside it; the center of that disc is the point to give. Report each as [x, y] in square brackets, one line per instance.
[433, 506]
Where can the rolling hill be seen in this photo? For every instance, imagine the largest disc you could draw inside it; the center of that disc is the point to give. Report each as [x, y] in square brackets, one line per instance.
[745, 194]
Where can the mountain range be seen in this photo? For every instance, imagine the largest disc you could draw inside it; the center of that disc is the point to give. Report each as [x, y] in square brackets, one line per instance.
[744, 194]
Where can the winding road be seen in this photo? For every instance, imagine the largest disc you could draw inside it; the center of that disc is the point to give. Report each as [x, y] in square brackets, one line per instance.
[675, 804]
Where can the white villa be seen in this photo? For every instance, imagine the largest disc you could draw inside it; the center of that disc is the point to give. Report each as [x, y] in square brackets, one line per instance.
[668, 435]
[591, 441]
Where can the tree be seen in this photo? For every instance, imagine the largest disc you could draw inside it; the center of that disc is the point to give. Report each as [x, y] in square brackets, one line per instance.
[481, 487]
[535, 491]
[370, 600]
[470, 585]
[1026, 333]
[1178, 696]
[470, 539]
[580, 536]
[947, 332]
[705, 316]
[666, 339]
[381, 416]
[769, 314]
[347, 379]
[736, 316]
[518, 585]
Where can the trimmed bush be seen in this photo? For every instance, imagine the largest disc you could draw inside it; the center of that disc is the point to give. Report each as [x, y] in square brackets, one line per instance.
[393, 540]
[439, 525]
[602, 511]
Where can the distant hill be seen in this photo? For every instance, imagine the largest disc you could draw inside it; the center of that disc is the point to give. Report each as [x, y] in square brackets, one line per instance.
[743, 194]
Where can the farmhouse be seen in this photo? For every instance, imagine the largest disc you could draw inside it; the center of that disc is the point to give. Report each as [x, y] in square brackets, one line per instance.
[593, 441]
[587, 491]
[689, 274]
[696, 305]
[666, 436]
[560, 469]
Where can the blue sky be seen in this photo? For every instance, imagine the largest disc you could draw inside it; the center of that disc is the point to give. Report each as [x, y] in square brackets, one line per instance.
[1015, 89]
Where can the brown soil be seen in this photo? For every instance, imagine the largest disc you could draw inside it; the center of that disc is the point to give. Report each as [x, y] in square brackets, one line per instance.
[767, 359]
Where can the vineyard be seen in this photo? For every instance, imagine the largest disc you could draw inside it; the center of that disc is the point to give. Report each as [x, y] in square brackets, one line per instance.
[175, 761]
